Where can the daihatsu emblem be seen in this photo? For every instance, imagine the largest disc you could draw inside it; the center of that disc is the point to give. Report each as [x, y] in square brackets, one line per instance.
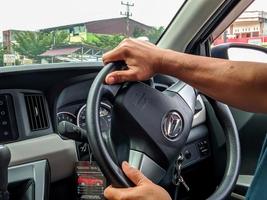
[172, 125]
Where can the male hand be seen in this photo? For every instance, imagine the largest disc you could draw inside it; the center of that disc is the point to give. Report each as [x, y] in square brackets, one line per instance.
[144, 189]
[142, 58]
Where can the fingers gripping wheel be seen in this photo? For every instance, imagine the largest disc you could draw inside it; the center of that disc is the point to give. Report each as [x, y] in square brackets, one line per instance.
[106, 162]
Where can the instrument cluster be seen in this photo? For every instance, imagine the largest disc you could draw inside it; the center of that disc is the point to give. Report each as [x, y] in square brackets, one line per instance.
[76, 114]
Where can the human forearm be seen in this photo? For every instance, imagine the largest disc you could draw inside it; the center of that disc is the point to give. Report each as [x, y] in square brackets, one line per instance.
[240, 84]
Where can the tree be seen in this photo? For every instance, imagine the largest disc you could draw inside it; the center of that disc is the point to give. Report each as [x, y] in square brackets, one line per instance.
[138, 32]
[32, 44]
[108, 42]
[105, 42]
[155, 33]
[59, 38]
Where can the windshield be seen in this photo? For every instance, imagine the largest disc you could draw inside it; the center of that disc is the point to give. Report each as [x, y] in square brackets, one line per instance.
[55, 31]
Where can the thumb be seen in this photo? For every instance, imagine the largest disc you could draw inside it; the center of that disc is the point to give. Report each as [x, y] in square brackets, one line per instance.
[137, 177]
[120, 76]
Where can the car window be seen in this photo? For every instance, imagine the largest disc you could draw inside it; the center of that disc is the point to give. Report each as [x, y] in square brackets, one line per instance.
[250, 27]
[45, 32]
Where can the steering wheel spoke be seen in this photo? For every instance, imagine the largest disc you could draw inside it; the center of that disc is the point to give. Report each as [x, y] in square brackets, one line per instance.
[186, 92]
[146, 165]
[110, 91]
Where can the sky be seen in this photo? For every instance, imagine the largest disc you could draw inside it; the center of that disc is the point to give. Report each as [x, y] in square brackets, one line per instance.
[260, 5]
[38, 14]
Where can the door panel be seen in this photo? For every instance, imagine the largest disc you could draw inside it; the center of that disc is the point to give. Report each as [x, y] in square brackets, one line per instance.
[252, 129]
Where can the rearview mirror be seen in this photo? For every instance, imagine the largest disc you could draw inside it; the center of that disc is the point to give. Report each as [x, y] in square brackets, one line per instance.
[240, 52]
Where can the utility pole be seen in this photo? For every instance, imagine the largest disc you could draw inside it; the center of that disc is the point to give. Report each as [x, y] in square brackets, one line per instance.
[127, 14]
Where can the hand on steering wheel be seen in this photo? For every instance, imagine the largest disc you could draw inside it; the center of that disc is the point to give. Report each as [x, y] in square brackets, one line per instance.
[144, 189]
[142, 58]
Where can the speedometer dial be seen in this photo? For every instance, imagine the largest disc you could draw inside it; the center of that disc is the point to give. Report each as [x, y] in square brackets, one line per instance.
[104, 115]
[81, 117]
[66, 116]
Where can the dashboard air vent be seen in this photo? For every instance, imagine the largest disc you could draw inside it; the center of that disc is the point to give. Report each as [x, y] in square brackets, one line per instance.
[37, 113]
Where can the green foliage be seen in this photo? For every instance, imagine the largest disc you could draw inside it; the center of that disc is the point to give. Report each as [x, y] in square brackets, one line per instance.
[108, 42]
[155, 33]
[59, 38]
[105, 42]
[138, 32]
[32, 44]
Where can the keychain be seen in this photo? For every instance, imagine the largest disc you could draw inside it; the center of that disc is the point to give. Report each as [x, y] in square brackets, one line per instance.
[90, 180]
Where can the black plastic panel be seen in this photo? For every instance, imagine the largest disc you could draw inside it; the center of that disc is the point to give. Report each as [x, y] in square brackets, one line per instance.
[196, 151]
[18, 115]
[8, 126]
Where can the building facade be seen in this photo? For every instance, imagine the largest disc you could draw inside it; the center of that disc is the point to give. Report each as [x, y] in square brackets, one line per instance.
[249, 27]
[249, 24]
[114, 26]
[8, 39]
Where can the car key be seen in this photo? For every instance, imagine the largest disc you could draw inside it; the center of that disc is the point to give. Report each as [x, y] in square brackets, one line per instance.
[181, 180]
[177, 178]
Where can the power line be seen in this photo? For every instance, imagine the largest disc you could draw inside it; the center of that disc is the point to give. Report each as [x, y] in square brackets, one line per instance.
[127, 14]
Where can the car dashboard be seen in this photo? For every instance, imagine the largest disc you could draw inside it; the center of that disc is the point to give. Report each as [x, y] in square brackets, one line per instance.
[35, 99]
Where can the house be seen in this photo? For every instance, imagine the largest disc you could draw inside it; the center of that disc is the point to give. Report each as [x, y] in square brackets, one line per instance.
[249, 27]
[78, 32]
[249, 24]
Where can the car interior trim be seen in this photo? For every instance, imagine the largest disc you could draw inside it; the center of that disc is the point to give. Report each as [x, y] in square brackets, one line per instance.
[244, 180]
[54, 67]
[175, 37]
[237, 196]
[50, 147]
[35, 171]
[146, 165]
[199, 117]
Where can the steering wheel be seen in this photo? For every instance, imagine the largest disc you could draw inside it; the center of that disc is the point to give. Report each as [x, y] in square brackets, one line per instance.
[149, 129]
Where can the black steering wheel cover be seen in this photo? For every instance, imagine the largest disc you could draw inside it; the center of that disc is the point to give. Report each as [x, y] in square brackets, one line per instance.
[108, 166]
[227, 122]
